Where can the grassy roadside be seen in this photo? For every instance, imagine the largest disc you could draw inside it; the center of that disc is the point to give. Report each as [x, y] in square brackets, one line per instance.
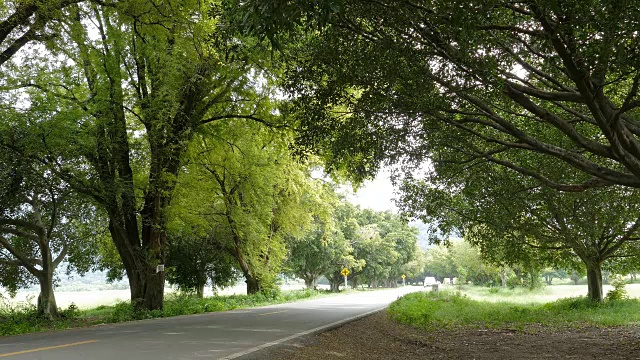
[22, 319]
[447, 309]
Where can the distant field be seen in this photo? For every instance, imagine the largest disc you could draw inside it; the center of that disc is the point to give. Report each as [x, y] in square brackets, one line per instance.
[92, 299]
[543, 295]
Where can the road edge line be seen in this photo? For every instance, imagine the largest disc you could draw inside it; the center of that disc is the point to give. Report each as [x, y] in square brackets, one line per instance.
[322, 328]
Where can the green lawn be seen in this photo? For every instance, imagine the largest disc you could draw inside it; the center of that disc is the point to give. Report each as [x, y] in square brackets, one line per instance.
[449, 309]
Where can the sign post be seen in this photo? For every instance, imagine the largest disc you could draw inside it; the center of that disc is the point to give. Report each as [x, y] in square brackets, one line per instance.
[404, 277]
[345, 272]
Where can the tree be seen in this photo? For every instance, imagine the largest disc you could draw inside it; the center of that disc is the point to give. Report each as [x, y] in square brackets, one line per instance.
[541, 88]
[126, 86]
[415, 269]
[458, 258]
[194, 258]
[515, 221]
[345, 220]
[386, 243]
[321, 247]
[42, 224]
[250, 193]
[576, 276]
[379, 256]
[549, 274]
[23, 22]
[315, 254]
[553, 81]
[439, 263]
[471, 266]
[531, 86]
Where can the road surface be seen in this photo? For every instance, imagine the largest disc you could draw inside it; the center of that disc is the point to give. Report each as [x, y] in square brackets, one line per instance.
[222, 335]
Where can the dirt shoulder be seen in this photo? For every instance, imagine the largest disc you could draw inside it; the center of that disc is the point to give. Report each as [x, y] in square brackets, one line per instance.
[378, 337]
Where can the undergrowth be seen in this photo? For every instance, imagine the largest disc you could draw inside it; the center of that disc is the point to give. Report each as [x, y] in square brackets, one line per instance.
[452, 310]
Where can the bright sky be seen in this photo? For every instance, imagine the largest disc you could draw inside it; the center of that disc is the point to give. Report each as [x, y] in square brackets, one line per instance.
[376, 194]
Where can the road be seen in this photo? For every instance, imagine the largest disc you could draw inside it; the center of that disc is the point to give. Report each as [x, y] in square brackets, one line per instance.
[222, 335]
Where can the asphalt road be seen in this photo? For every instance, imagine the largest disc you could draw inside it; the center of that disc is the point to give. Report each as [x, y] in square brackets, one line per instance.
[222, 335]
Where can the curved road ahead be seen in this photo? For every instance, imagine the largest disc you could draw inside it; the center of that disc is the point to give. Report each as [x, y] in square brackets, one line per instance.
[222, 335]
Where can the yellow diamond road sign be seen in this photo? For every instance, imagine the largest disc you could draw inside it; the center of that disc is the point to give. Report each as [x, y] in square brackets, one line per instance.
[404, 276]
[345, 272]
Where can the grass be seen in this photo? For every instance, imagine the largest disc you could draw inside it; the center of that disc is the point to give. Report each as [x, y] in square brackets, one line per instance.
[21, 318]
[451, 310]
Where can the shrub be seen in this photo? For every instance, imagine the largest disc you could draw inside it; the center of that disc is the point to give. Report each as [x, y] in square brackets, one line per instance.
[618, 292]
[71, 312]
[122, 311]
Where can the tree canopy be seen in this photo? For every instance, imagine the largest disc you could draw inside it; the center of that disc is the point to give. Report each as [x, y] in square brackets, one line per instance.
[554, 82]
[515, 221]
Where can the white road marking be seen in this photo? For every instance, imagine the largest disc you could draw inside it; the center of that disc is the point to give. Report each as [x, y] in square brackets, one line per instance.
[303, 333]
[274, 312]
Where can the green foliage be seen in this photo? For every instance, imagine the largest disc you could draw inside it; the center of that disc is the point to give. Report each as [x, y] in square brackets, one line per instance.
[386, 243]
[71, 312]
[450, 310]
[516, 223]
[320, 249]
[43, 223]
[17, 319]
[464, 82]
[576, 275]
[195, 259]
[618, 292]
[245, 196]
[499, 100]
[460, 259]
[113, 102]
[549, 274]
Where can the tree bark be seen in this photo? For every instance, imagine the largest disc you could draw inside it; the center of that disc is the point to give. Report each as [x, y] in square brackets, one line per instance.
[594, 280]
[200, 291]
[334, 286]
[46, 299]
[353, 280]
[310, 282]
[146, 286]
[253, 284]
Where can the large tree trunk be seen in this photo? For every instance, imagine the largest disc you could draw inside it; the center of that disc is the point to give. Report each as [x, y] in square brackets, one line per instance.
[253, 284]
[46, 299]
[146, 285]
[594, 280]
[200, 291]
[353, 281]
[334, 286]
[310, 282]
[147, 289]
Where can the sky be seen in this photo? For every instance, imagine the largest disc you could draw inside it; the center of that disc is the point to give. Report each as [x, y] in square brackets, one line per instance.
[377, 194]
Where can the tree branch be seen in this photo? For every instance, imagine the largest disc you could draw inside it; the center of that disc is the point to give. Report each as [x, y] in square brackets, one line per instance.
[24, 261]
[238, 116]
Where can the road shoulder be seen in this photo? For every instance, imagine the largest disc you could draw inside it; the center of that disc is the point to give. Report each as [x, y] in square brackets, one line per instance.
[377, 337]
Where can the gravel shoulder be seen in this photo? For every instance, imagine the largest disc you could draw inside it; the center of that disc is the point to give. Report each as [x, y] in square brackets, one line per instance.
[379, 337]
